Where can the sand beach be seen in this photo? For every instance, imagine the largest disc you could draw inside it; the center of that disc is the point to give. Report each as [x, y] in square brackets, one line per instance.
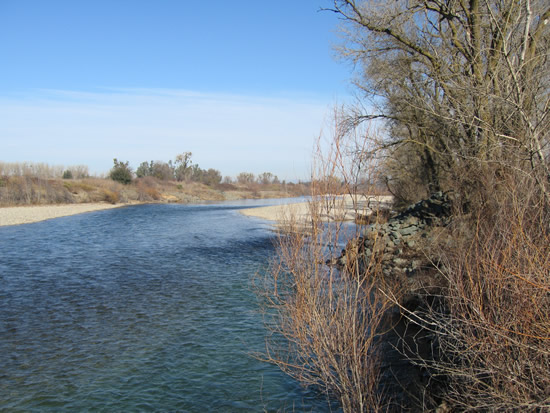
[331, 208]
[35, 213]
[342, 208]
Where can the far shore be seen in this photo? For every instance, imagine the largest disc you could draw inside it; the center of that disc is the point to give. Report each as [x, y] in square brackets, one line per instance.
[279, 212]
[28, 214]
[333, 208]
[339, 208]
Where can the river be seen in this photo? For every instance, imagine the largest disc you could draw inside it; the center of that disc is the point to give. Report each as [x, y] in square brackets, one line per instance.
[143, 308]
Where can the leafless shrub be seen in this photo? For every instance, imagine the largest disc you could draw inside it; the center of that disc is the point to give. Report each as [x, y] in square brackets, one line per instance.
[30, 169]
[147, 189]
[147, 193]
[493, 330]
[110, 196]
[324, 324]
[26, 190]
[79, 171]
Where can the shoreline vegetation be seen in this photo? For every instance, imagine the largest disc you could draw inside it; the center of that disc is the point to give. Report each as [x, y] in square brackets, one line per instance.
[31, 198]
[344, 210]
[442, 304]
[37, 185]
[33, 192]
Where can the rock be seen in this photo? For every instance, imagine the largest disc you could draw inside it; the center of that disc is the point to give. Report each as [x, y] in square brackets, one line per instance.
[410, 221]
[384, 240]
[409, 230]
[395, 234]
[400, 262]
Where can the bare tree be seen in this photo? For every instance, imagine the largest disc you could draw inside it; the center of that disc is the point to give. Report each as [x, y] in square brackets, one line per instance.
[266, 178]
[183, 165]
[79, 171]
[245, 178]
[460, 83]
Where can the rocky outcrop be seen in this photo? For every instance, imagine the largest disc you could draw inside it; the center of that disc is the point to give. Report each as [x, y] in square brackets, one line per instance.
[396, 244]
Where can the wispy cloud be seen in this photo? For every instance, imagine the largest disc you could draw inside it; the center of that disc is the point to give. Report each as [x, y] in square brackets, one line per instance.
[231, 133]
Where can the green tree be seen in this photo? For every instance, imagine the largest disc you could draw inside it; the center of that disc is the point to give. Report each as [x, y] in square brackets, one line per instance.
[121, 172]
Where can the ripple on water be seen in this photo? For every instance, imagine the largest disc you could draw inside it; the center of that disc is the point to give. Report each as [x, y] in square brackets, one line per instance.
[140, 308]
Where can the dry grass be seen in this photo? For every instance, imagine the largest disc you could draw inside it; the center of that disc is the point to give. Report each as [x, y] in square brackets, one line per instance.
[25, 190]
[111, 197]
[32, 190]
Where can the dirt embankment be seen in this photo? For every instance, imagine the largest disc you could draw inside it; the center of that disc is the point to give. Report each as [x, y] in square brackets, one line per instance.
[28, 190]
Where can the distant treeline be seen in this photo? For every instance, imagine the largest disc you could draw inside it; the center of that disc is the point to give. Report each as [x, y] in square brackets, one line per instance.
[182, 169]
[43, 170]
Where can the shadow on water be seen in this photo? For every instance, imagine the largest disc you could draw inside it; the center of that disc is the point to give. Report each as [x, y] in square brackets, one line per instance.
[138, 308]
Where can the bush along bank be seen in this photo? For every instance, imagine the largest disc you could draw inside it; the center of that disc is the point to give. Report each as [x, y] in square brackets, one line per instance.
[400, 249]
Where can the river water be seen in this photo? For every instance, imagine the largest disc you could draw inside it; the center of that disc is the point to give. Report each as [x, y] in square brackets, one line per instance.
[143, 308]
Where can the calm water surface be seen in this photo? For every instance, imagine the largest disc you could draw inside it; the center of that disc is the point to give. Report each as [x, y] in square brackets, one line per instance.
[144, 308]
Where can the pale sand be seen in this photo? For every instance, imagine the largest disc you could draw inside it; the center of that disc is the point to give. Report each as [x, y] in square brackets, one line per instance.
[342, 208]
[28, 214]
[279, 212]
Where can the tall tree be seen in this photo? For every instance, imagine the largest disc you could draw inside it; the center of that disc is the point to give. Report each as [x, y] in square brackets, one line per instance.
[183, 166]
[459, 82]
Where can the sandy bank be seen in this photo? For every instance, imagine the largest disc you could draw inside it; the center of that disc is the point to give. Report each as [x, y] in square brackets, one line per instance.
[341, 208]
[28, 214]
[279, 212]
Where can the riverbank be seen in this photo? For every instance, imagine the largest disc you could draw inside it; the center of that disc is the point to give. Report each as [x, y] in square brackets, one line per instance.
[36, 213]
[331, 208]
[25, 199]
[27, 190]
[342, 208]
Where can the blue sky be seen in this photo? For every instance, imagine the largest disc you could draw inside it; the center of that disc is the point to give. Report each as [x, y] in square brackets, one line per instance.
[246, 85]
